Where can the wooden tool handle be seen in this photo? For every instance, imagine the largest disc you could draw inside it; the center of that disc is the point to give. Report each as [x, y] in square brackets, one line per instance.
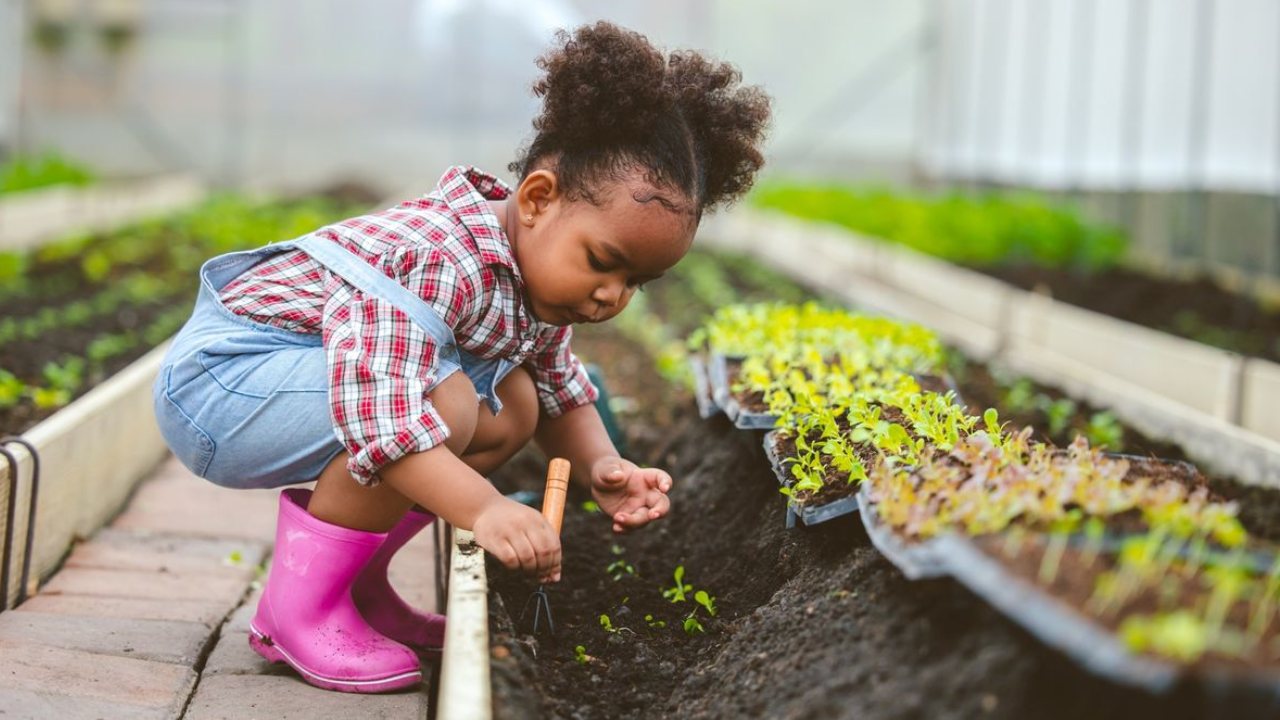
[557, 489]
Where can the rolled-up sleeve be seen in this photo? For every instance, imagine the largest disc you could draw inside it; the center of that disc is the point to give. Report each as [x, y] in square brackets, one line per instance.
[382, 365]
[560, 377]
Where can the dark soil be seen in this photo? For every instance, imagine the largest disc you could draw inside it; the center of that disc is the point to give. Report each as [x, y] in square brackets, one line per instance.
[1197, 309]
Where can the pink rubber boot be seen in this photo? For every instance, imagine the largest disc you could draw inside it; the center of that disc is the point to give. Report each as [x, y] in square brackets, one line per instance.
[385, 610]
[306, 617]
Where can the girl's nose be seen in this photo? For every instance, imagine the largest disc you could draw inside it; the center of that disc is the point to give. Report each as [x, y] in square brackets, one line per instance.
[608, 295]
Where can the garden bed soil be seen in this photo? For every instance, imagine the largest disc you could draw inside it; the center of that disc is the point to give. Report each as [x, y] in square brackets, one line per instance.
[812, 622]
[1198, 309]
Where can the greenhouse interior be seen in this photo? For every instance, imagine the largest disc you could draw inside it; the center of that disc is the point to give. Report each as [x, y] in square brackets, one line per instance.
[701, 359]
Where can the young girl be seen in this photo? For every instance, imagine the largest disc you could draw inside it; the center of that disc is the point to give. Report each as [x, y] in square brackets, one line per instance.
[336, 357]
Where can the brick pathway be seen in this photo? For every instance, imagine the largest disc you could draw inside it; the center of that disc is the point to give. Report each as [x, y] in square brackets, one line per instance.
[148, 619]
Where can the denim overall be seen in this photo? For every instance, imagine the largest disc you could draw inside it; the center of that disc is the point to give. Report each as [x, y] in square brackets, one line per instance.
[246, 405]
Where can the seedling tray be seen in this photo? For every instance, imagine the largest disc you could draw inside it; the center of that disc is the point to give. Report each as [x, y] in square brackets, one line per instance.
[807, 514]
[702, 392]
[718, 374]
[917, 561]
[1053, 622]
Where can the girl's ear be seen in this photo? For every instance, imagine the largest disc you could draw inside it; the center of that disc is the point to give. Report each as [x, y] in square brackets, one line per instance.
[537, 192]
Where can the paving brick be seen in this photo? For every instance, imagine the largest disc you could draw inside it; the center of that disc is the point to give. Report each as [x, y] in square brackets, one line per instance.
[141, 584]
[237, 697]
[29, 705]
[233, 656]
[169, 641]
[37, 679]
[206, 612]
[117, 549]
[175, 501]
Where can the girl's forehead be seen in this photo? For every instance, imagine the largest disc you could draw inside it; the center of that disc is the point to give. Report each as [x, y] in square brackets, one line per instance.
[651, 235]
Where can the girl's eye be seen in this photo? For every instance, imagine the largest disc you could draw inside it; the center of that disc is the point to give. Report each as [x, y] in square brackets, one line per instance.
[595, 264]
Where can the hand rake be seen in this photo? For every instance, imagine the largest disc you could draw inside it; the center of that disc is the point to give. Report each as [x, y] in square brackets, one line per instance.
[553, 510]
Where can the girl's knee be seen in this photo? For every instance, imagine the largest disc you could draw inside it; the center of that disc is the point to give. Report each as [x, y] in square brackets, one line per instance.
[454, 398]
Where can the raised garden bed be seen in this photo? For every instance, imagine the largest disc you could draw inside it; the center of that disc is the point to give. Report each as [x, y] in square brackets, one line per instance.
[84, 324]
[75, 312]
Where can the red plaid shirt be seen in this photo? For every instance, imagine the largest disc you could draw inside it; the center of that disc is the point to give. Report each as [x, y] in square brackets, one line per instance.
[448, 248]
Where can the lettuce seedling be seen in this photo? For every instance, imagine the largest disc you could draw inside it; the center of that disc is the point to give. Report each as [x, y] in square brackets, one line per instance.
[707, 601]
[657, 624]
[691, 624]
[676, 593]
[11, 389]
[1104, 431]
[580, 655]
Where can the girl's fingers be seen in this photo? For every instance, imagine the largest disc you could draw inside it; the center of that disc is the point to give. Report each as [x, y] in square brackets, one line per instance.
[506, 555]
[524, 551]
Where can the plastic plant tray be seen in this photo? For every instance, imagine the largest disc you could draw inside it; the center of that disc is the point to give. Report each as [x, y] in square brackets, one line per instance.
[917, 561]
[806, 514]
[718, 374]
[1053, 622]
[707, 406]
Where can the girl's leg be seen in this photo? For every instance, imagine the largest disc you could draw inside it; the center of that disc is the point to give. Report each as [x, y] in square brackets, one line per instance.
[340, 500]
[498, 438]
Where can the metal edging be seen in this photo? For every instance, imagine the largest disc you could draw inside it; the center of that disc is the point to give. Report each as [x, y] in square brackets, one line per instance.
[7, 555]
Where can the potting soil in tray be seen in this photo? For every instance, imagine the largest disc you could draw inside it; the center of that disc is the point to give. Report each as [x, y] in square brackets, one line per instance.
[1055, 623]
[1059, 612]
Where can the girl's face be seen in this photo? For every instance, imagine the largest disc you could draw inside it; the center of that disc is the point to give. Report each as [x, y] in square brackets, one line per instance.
[582, 262]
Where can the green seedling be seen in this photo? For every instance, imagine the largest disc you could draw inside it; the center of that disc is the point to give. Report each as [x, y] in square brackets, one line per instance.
[1104, 431]
[580, 655]
[653, 623]
[691, 624]
[11, 389]
[1058, 414]
[67, 375]
[607, 624]
[1179, 635]
[591, 506]
[49, 398]
[619, 569]
[707, 601]
[676, 593]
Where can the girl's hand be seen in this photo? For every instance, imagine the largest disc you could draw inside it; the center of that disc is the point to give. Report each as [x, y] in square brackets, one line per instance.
[630, 495]
[520, 538]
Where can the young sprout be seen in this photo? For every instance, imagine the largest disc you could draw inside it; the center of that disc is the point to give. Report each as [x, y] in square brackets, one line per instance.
[591, 506]
[676, 593]
[1179, 635]
[1104, 431]
[607, 624]
[707, 601]
[580, 655]
[619, 568]
[691, 624]
[658, 624]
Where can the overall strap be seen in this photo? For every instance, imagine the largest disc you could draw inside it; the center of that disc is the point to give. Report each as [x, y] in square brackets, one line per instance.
[352, 268]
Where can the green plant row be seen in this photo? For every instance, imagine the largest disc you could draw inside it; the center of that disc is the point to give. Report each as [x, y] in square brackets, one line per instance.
[147, 265]
[983, 231]
[28, 172]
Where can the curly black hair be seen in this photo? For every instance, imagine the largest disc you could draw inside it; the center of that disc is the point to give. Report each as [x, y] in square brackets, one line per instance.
[614, 104]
